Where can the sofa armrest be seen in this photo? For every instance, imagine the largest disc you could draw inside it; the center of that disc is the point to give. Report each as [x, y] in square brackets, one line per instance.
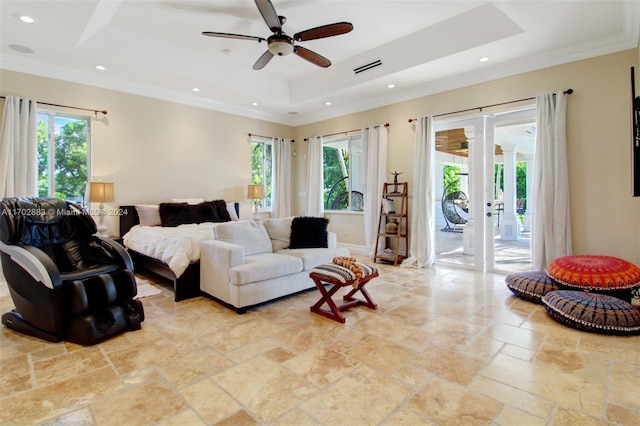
[332, 240]
[216, 258]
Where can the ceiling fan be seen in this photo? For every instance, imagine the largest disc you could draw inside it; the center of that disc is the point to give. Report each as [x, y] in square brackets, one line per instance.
[281, 44]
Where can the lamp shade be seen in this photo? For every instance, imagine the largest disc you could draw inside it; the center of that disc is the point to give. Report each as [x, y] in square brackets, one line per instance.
[101, 192]
[255, 192]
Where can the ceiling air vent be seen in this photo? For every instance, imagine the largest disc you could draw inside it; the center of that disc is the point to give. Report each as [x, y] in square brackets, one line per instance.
[367, 67]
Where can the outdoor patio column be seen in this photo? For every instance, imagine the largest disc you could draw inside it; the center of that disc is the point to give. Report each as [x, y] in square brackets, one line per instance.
[510, 223]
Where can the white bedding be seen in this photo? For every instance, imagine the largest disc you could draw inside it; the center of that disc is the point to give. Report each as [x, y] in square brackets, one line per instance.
[176, 246]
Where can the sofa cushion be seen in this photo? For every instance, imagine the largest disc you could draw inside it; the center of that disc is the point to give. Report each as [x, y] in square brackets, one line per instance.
[264, 266]
[313, 257]
[279, 231]
[309, 232]
[250, 235]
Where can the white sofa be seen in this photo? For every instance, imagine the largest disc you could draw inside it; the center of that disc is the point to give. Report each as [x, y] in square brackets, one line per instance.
[250, 263]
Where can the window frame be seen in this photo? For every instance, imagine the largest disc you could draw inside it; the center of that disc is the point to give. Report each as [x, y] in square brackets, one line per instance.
[51, 116]
[352, 141]
[266, 203]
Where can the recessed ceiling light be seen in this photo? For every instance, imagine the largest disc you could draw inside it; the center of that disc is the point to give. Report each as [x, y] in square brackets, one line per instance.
[101, 67]
[391, 86]
[327, 103]
[484, 59]
[195, 89]
[254, 103]
[27, 19]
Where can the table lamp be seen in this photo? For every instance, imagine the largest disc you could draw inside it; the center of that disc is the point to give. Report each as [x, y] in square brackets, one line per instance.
[255, 193]
[101, 192]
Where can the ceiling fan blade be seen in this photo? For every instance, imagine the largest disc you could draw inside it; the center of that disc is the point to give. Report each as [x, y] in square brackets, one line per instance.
[269, 15]
[329, 30]
[312, 57]
[237, 36]
[263, 60]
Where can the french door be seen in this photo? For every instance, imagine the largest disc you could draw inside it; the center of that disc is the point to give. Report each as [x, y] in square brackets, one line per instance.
[486, 166]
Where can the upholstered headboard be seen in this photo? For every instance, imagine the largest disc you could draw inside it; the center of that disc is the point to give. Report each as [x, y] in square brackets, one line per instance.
[129, 217]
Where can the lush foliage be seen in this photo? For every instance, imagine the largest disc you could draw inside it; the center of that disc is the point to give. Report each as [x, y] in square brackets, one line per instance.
[261, 168]
[335, 162]
[521, 178]
[69, 159]
[451, 179]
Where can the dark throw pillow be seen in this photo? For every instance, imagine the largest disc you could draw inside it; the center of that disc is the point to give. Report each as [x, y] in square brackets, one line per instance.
[309, 232]
[174, 214]
[220, 207]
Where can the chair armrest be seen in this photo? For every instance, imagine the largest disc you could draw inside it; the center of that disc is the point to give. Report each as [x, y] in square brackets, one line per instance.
[116, 250]
[332, 240]
[35, 262]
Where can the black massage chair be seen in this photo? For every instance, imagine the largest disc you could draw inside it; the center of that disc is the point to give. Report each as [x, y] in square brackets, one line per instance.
[66, 282]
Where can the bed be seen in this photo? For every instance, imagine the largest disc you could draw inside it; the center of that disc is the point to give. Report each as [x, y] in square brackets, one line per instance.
[171, 252]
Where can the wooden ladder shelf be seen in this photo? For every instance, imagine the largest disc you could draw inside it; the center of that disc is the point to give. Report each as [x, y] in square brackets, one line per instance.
[392, 243]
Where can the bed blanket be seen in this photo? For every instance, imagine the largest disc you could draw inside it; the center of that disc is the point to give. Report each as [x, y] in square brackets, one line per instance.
[176, 246]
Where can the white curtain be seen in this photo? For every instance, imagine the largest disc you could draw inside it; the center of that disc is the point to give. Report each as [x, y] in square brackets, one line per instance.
[551, 227]
[315, 179]
[18, 148]
[422, 253]
[281, 178]
[374, 146]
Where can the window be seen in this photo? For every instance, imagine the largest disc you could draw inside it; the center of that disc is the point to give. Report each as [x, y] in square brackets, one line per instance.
[344, 168]
[63, 143]
[262, 167]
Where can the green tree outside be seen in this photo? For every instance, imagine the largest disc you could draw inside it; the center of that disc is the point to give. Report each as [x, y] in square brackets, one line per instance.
[70, 157]
[335, 163]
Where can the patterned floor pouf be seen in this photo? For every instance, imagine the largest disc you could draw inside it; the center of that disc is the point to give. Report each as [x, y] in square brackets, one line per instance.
[602, 274]
[594, 312]
[531, 285]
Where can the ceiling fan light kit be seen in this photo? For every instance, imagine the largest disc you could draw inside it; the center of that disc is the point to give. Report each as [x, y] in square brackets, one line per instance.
[280, 44]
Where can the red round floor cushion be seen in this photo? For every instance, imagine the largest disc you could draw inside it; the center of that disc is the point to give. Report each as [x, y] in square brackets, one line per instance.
[592, 272]
[598, 313]
[530, 285]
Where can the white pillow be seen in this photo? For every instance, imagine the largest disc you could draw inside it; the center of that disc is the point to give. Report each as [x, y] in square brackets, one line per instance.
[231, 208]
[188, 200]
[279, 231]
[149, 214]
[250, 235]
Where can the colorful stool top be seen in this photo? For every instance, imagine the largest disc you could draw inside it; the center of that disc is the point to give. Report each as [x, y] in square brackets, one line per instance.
[341, 273]
[592, 272]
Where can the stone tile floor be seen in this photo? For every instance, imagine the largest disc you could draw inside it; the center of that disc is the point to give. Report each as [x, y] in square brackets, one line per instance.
[445, 347]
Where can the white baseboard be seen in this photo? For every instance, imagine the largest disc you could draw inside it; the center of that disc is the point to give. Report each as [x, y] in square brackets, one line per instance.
[355, 249]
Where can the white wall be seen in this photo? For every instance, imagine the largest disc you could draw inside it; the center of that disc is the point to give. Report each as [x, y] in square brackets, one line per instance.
[605, 218]
[156, 150]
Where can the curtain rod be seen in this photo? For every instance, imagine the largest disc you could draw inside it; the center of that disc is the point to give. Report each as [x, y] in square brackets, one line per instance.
[345, 132]
[266, 137]
[95, 111]
[411, 120]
